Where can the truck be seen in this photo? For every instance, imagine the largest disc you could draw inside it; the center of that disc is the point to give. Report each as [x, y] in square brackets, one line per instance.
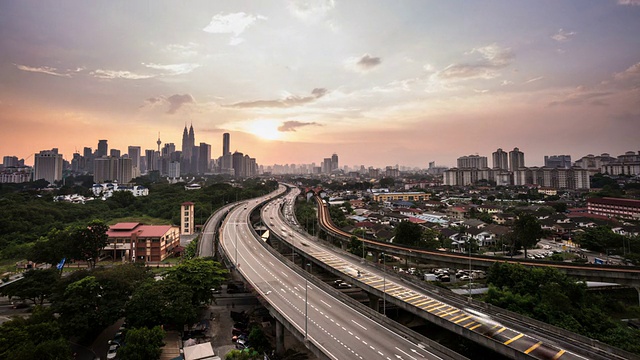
[430, 277]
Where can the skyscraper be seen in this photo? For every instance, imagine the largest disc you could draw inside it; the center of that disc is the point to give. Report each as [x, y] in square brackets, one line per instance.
[334, 162]
[152, 159]
[204, 158]
[225, 144]
[103, 148]
[114, 153]
[516, 159]
[48, 165]
[188, 143]
[500, 159]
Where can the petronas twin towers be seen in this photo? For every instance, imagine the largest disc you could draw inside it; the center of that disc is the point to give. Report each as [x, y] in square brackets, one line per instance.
[188, 142]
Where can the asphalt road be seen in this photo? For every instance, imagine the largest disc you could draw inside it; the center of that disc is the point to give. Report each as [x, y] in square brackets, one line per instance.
[339, 331]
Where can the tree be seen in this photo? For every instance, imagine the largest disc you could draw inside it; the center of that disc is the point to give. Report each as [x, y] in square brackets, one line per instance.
[387, 182]
[259, 341]
[51, 248]
[37, 285]
[161, 302]
[86, 242]
[36, 337]
[356, 246]
[142, 344]
[527, 230]
[600, 238]
[408, 233]
[243, 355]
[201, 276]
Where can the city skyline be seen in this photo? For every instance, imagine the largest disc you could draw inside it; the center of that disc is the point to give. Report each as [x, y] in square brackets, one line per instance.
[377, 83]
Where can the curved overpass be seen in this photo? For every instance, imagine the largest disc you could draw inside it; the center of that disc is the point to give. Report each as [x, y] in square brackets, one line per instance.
[328, 325]
[623, 275]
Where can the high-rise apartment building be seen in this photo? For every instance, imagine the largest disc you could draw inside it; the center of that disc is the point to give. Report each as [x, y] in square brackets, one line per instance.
[500, 159]
[8, 161]
[103, 148]
[516, 159]
[558, 161]
[114, 153]
[238, 164]
[152, 160]
[472, 162]
[48, 165]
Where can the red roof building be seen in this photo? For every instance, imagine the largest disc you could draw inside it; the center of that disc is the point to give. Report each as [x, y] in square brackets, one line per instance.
[137, 242]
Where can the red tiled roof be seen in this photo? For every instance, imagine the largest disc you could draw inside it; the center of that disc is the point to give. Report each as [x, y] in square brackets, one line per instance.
[188, 203]
[120, 230]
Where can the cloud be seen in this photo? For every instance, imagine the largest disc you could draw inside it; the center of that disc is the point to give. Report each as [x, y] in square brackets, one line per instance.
[493, 58]
[176, 101]
[631, 73]
[288, 101]
[184, 50]
[294, 125]
[534, 79]
[365, 63]
[310, 9]
[562, 35]
[629, 2]
[173, 69]
[583, 95]
[119, 74]
[234, 23]
[154, 100]
[43, 70]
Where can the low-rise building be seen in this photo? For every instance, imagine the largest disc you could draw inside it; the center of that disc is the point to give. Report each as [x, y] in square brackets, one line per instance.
[404, 196]
[137, 242]
[615, 207]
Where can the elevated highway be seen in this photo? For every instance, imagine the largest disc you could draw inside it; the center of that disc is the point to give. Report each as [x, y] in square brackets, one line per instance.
[623, 275]
[318, 315]
[507, 333]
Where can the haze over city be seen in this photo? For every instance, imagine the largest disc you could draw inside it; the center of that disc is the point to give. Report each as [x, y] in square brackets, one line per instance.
[379, 83]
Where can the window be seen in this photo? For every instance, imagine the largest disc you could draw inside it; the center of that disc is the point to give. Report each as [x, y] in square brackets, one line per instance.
[186, 213]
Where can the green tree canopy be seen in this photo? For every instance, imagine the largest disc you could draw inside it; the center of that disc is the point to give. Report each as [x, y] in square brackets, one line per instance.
[142, 344]
[527, 230]
[36, 337]
[201, 275]
[86, 242]
[36, 286]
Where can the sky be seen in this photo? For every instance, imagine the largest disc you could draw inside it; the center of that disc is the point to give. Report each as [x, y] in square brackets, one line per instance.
[377, 82]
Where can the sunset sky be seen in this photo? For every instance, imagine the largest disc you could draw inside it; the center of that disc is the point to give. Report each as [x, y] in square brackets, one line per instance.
[377, 82]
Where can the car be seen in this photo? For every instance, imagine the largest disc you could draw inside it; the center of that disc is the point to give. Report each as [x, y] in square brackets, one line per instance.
[117, 339]
[112, 352]
[465, 278]
[216, 291]
[337, 282]
[344, 285]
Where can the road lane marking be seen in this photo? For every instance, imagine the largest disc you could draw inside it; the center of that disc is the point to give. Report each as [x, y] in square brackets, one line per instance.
[501, 330]
[513, 339]
[475, 327]
[558, 354]
[533, 347]
[462, 319]
[353, 321]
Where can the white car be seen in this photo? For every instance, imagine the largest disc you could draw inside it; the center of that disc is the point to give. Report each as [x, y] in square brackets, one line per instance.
[113, 350]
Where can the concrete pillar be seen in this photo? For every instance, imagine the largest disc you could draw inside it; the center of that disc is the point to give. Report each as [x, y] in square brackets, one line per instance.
[638, 290]
[279, 338]
[374, 302]
[375, 255]
[343, 245]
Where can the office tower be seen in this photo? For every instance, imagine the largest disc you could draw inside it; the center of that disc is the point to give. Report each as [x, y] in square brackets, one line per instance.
[152, 160]
[225, 144]
[204, 158]
[174, 169]
[334, 162]
[103, 148]
[516, 159]
[134, 155]
[472, 161]
[238, 164]
[114, 153]
[48, 166]
[500, 159]
[558, 161]
[124, 170]
[87, 152]
[326, 165]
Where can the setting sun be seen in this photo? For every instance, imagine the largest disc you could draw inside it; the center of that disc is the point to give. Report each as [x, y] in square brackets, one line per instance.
[265, 129]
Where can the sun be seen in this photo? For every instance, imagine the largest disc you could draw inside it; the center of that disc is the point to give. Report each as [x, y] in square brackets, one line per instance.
[265, 129]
